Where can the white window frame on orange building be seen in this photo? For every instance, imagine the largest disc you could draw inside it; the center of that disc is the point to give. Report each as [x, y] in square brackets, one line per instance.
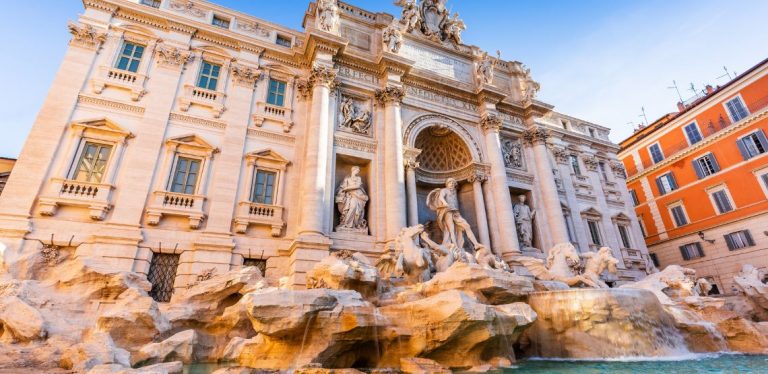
[675, 204]
[698, 129]
[720, 187]
[650, 154]
[759, 173]
[744, 103]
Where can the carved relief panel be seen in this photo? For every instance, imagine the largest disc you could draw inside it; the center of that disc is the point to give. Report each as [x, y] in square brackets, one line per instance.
[512, 151]
[354, 114]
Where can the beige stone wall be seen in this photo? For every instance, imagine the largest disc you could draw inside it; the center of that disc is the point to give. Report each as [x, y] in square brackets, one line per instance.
[720, 263]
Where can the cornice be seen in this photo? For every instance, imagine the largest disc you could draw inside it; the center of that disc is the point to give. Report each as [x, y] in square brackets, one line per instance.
[323, 42]
[101, 5]
[700, 145]
[393, 63]
[489, 94]
[149, 20]
[438, 88]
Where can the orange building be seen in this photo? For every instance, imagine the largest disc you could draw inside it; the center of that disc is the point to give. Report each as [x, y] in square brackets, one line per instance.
[699, 180]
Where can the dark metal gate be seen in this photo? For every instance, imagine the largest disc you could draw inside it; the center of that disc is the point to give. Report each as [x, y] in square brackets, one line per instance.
[260, 264]
[162, 274]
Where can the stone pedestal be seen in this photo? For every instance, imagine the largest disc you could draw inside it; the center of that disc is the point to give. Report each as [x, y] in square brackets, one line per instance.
[303, 254]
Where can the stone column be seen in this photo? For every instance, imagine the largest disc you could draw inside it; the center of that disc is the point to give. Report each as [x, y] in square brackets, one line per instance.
[490, 212]
[536, 137]
[315, 170]
[394, 175]
[505, 218]
[410, 178]
[477, 181]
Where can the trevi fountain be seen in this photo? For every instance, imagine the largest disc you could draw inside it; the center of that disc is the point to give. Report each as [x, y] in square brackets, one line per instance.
[443, 295]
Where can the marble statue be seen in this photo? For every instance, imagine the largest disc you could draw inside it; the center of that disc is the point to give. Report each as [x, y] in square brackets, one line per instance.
[414, 261]
[596, 263]
[485, 68]
[445, 202]
[452, 28]
[354, 118]
[489, 260]
[410, 17]
[433, 15]
[351, 200]
[393, 37]
[562, 265]
[327, 15]
[529, 86]
[524, 216]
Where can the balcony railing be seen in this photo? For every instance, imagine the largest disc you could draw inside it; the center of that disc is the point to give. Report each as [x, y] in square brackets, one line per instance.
[259, 214]
[194, 95]
[65, 192]
[176, 204]
[275, 113]
[108, 76]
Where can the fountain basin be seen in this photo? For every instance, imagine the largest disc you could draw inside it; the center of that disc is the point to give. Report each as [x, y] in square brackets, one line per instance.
[600, 324]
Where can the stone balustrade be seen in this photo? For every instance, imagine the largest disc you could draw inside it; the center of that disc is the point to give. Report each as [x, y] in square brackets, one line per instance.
[194, 95]
[64, 192]
[259, 214]
[275, 113]
[176, 204]
[123, 79]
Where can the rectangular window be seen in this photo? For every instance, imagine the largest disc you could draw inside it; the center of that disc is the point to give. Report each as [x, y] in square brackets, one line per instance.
[692, 133]
[276, 93]
[722, 202]
[220, 22]
[130, 57]
[152, 3]
[162, 275]
[283, 41]
[257, 263]
[92, 163]
[654, 259]
[642, 226]
[591, 132]
[739, 239]
[594, 232]
[209, 76]
[185, 176]
[752, 144]
[575, 165]
[666, 183]
[264, 187]
[691, 251]
[678, 215]
[706, 165]
[736, 109]
[764, 179]
[633, 195]
[656, 155]
[603, 172]
[624, 234]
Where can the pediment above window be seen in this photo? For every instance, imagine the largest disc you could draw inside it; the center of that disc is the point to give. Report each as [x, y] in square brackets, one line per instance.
[591, 212]
[192, 144]
[101, 128]
[267, 158]
[620, 218]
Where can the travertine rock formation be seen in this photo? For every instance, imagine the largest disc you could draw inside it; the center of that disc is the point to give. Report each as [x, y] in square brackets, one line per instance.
[749, 284]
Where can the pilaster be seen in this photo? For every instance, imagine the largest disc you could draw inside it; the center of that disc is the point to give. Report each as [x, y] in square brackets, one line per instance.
[394, 174]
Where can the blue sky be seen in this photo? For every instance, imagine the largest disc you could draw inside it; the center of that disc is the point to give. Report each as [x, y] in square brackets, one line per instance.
[600, 60]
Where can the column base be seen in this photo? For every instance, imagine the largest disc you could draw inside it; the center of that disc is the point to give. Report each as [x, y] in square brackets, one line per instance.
[305, 251]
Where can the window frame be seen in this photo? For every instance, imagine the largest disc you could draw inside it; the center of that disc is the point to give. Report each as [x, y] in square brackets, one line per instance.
[288, 40]
[208, 76]
[597, 232]
[711, 191]
[223, 22]
[274, 189]
[762, 179]
[575, 164]
[130, 58]
[760, 137]
[671, 181]
[687, 256]
[661, 152]
[174, 171]
[743, 104]
[152, 3]
[277, 95]
[704, 170]
[634, 197]
[746, 239]
[678, 204]
[695, 125]
[79, 157]
[625, 237]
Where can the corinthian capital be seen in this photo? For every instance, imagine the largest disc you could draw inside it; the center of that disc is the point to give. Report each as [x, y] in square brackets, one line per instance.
[535, 135]
[394, 95]
[245, 76]
[410, 156]
[490, 122]
[170, 56]
[324, 76]
[86, 36]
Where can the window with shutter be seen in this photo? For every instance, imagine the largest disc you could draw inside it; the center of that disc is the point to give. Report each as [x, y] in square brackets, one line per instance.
[636, 201]
[722, 202]
[739, 239]
[752, 144]
[692, 133]
[678, 215]
[737, 109]
[691, 251]
[666, 183]
[656, 154]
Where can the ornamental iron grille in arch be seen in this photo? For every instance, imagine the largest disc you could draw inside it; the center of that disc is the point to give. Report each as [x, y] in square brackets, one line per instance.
[442, 150]
[162, 274]
[257, 263]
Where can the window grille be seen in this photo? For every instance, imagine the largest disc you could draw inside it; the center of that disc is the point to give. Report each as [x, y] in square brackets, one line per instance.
[162, 275]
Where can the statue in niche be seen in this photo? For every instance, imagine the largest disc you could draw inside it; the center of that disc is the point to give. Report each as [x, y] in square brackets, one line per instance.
[393, 37]
[513, 154]
[351, 200]
[327, 15]
[353, 118]
[486, 68]
[445, 202]
[410, 16]
[452, 28]
[524, 220]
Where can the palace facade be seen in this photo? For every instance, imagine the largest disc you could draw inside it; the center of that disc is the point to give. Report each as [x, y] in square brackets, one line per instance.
[181, 138]
[699, 180]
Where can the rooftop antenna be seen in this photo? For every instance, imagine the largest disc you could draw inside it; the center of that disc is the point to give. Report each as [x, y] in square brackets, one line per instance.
[645, 117]
[727, 74]
[695, 92]
[674, 85]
